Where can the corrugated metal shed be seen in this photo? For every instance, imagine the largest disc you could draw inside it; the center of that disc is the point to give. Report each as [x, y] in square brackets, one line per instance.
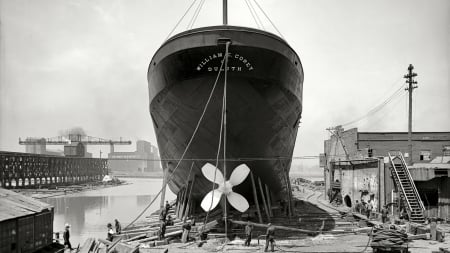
[14, 205]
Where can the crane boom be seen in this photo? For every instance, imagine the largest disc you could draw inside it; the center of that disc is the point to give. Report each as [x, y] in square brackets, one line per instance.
[64, 140]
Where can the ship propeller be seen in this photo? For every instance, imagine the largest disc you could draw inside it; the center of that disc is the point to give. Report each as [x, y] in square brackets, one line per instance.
[214, 175]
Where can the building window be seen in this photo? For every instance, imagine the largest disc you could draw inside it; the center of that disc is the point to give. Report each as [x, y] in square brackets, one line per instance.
[394, 152]
[446, 150]
[425, 155]
[441, 173]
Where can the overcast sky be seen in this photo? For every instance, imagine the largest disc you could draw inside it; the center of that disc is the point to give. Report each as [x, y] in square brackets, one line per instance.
[84, 63]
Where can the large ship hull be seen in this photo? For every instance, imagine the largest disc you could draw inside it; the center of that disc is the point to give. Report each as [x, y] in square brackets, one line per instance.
[264, 105]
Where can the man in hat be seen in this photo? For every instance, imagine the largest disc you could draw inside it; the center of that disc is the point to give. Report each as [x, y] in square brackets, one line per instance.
[248, 233]
[118, 227]
[270, 237]
[167, 206]
[186, 229]
[66, 236]
[109, 235]
[384, 214]
[162, 230]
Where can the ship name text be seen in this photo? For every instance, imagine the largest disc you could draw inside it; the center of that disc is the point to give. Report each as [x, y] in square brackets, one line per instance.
[232, 58]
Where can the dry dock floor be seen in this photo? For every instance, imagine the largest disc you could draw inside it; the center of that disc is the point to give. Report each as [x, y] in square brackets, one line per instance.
[313, 203]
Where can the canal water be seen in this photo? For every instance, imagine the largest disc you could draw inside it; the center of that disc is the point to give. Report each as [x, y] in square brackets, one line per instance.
[89, 212]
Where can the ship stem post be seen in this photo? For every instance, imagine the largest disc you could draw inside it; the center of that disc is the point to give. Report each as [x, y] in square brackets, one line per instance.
[225, 130]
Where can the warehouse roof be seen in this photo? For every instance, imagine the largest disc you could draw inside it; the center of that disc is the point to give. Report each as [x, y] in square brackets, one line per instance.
[14, 205]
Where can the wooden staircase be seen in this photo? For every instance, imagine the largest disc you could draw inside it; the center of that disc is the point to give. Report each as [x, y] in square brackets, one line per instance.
[407, 188]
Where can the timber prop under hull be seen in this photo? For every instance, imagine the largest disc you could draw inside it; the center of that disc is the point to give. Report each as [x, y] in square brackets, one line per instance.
[264, 105]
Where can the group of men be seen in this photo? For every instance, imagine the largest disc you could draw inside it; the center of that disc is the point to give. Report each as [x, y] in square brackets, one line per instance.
[270, 236]
[110, 233]
[109, 236]
[364, 208]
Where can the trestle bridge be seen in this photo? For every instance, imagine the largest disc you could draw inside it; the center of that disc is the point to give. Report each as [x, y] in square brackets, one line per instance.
[25, 170]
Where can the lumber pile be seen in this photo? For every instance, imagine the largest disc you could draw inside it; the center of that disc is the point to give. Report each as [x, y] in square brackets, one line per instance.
[389, 239]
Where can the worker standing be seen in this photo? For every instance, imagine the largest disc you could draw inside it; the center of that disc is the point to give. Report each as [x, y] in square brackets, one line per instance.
[357, 207]
[369, 209]
[167, 206]
[384, 214]
[163, 215]
[270, 237]
[248, 233]
[162, 230]
[186, 229]
[118, 227]
[66, 236]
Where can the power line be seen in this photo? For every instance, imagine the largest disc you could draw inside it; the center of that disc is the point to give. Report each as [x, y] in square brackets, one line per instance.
[377, 108]
[396, 101]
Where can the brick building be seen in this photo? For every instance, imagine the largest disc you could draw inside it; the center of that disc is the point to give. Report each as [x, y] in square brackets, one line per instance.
[356, 167]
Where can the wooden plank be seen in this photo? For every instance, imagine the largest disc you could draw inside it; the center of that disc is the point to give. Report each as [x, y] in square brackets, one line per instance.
[87, 246]
[415, 237]
[276, 227]
[125, 248]
[175, 233]
[304, 231]
[255, 197]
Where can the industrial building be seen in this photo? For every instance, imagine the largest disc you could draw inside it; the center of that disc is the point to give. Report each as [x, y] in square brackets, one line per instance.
[357, 166]
[142, 162]
[26, 224]
[39, 146]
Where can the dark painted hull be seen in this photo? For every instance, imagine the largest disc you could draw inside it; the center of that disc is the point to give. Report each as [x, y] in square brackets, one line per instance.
[264, 104]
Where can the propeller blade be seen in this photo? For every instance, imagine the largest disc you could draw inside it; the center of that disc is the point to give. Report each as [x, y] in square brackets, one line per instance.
[208, 171]
[239, 174]
[238, 201]
[211, 200]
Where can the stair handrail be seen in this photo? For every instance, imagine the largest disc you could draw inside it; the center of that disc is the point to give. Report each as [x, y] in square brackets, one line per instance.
[399, 181]
[412, 182]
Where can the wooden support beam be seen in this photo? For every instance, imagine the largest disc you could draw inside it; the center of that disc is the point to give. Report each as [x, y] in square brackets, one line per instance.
[255, 197]
[188, 206]
[163, 192]
[264, 199]
[269, 202]
[177, 204]
[186, 193]
[180, 203]
[289, 193]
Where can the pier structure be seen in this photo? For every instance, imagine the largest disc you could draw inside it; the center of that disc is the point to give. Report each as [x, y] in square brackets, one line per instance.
[24, 170]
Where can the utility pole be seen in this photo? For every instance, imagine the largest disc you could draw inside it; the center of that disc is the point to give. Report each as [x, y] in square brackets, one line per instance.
[411, 86]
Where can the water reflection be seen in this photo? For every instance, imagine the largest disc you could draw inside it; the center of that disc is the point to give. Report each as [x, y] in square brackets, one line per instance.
[89, 212]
